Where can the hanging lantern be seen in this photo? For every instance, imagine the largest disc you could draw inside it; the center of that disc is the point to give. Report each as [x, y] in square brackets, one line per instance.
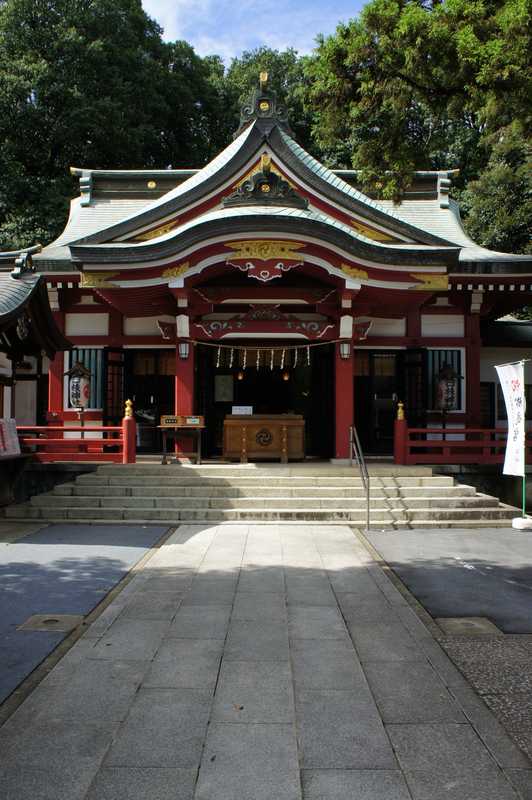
[79, 385]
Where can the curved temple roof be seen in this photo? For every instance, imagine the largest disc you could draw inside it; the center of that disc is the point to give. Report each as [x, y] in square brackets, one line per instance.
[27, 326]
[140, 215]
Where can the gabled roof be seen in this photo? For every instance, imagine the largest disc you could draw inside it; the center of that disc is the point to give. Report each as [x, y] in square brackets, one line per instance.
[26, 321]
[165, 206]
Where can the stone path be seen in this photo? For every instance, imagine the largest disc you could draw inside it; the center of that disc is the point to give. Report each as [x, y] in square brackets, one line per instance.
[258, 662]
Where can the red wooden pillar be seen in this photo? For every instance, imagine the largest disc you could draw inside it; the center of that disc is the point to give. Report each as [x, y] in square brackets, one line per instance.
[344, 401]
[473, 369]
[184, 392]
[56, 377]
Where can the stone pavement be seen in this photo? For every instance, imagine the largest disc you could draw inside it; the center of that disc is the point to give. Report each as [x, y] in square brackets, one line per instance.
[258, 662]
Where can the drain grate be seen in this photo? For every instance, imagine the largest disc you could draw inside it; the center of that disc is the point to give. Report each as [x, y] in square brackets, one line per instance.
[51, 622]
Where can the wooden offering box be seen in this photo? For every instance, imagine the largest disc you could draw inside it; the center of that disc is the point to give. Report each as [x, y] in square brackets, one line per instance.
[264, 436]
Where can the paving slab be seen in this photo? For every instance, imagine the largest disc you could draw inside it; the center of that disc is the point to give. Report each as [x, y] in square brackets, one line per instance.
[341, 730]
[200, 622]
[325, 664]
[254, 692]
[384, 641]
[256, 762]
[27, 783]
[362, 784]
[410, 692]
[315, 622]
[165, 728]
[259, 606]
[130, 783]
[131, 639]
[256, 641]
[185, 663]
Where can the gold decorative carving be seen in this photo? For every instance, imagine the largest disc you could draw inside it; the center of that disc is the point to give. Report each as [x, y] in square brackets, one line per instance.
[264, 165]
[430, 281]
[153, 234]
[175, 272]
[264, 249]
[371, 233]
[354, 272]
[97, 280]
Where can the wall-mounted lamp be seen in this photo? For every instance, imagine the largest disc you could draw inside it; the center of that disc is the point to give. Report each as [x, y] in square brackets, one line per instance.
[240, 375]
[183, 350]
[286, 375]
[345, 350]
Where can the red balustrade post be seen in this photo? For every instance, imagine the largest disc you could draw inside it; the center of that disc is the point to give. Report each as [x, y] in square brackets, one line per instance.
[400, 436]
[129, 435]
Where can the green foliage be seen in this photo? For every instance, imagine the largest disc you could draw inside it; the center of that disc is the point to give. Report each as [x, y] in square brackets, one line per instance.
[90, 83]
[498, 206]
[417, 84]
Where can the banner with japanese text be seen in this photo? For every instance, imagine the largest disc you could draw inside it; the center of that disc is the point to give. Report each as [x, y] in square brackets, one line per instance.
[512, 381]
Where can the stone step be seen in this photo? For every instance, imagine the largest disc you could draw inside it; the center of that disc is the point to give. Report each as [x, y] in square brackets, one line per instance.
[168, 480]
[259, 503]
[263, 470]
[172, 516]
[86, 490]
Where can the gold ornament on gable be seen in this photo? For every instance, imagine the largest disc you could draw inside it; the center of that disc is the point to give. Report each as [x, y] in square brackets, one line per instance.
[97, 280]
[264, 249]
[372, 233]
[354, 272]
[156, 232]
[430, 281]
[175, 272]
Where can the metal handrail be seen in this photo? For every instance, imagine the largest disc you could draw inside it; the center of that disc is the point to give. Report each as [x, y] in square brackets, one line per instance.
[356, 454]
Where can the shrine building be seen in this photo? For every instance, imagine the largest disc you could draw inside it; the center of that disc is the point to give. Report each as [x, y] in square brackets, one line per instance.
[267, 284]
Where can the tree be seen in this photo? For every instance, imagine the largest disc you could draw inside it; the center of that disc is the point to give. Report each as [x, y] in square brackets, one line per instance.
[498, 205]
[89, 83]
[419, 84]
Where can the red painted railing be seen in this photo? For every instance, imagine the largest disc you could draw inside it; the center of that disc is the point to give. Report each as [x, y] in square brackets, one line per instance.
[115, 443]
[451, 445]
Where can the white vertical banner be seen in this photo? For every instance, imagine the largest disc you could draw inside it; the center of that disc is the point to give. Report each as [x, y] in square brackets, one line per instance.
[512, 381]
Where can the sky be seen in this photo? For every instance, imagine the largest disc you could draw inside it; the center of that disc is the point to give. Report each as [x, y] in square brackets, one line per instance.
[227, 28]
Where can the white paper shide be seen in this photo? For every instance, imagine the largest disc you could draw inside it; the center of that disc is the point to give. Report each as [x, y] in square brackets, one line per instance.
[512, 381]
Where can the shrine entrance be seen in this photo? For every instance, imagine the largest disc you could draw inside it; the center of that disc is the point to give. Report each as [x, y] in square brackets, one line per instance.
[265, 382]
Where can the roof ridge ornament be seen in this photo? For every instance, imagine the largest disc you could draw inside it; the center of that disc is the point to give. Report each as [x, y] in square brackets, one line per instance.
[263, 106]
[265, 188]
[23, 265]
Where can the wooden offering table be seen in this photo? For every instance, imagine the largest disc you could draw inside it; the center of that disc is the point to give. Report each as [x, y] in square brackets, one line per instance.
[264, 436]
[173, 426]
